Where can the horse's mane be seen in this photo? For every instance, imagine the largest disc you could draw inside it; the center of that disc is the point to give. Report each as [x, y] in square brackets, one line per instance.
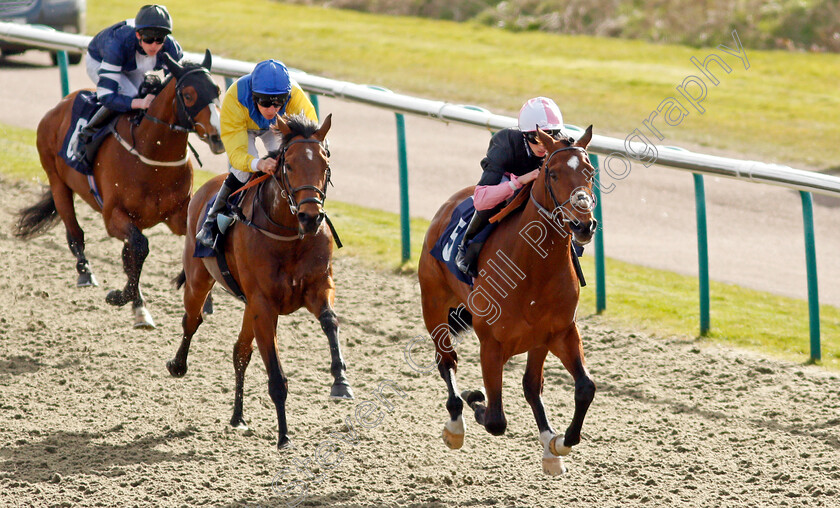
[300, 125]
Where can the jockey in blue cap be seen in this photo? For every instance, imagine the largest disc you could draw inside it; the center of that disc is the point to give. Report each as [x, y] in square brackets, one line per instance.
[250, 107]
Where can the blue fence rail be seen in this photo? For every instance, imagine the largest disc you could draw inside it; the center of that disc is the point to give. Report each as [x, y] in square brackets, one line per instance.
[698, 164]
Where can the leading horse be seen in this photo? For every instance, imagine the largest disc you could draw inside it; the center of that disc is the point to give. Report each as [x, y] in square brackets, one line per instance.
[524, 299]
[143, 175]
[281, 258]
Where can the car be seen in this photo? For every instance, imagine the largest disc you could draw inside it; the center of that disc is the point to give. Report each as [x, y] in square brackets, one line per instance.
[63, 15]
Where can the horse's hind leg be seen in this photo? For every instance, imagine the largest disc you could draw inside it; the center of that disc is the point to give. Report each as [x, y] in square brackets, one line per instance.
[569, 350]
[63, 198]
[532, 384]
[443, 328]
[196, 291]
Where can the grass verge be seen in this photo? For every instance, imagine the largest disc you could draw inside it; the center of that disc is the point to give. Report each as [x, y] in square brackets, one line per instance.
[656, 301]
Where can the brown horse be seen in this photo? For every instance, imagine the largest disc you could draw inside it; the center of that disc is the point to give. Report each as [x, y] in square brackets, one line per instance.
[281, 260]
[144, 178]
[523, 301]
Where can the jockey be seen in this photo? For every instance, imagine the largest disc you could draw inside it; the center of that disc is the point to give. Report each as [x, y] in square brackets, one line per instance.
[118, 58]
[515, 153]
[250, 107]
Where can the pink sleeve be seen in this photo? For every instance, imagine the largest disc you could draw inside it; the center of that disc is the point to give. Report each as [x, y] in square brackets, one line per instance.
[486, 197]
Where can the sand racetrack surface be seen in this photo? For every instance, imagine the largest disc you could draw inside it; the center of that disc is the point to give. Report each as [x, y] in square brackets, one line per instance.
[91, 417]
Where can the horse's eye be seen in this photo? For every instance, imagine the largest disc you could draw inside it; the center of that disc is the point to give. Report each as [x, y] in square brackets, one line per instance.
[553, 175]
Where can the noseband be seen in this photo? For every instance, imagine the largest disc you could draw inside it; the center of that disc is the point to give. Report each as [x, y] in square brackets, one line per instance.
[184, 114]
[554, 200]
[288, 192]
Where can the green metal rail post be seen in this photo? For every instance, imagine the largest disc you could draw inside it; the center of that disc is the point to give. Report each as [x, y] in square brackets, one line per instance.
[600, 265]
[702, 252]
[313, 98]
[61, 57]
[405, 225]
[811, 266]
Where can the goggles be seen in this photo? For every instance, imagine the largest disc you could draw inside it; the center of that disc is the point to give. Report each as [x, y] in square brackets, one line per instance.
[531, 137]
[271, 101]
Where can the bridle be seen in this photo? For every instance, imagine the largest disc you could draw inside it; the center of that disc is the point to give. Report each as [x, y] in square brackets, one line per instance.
[286, 187]
[185, 115]
[559, 207]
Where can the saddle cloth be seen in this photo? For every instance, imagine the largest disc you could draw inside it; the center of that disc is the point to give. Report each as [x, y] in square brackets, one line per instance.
[447, 245]
[85, 106]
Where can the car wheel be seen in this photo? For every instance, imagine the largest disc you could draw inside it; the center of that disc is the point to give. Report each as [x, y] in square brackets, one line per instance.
[72, 58]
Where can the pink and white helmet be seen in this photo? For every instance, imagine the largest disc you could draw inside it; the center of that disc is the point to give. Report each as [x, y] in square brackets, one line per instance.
[540, 112]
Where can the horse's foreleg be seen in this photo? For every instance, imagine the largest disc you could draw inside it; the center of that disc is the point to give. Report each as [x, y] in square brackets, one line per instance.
[241, 358]
[264, 320]
[135, 250]
[63, 200]
[532, 385]
[491, 416]
[453, 430]
[341, 386]
[569, 350]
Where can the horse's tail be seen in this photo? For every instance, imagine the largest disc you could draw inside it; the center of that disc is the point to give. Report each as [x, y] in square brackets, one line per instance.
[180, 280]
[38, 218]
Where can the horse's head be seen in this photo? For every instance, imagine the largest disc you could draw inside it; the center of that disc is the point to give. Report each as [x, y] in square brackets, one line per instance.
[197, 99]
[303, 168]
[567, 178]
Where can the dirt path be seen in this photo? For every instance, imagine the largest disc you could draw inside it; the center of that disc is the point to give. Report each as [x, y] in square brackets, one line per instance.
[755, 231]
[92, 418]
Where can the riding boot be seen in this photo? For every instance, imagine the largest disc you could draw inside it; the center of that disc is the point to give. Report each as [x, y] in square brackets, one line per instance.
[467, 257]
[206, 236]
[101, 118]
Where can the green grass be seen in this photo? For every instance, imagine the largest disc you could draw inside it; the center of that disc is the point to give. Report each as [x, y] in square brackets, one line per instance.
[783, 109]
[656, 301]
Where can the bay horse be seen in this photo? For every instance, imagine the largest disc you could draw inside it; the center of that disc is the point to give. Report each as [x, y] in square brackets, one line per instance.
[144, 178]
[524, 299]
[281, 260]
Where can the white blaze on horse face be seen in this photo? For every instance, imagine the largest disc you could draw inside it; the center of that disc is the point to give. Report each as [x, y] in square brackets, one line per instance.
[309, 154]
[574, 162]
[215, 119]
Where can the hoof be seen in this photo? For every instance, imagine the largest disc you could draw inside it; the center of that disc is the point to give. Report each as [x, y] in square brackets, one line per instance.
[115, 297]
[142, 319]
[553, 466]
[453, 433]
[341, 392]
[239, 424]
[472, 396]
[176, 369]
[285, 443]
[556, 447]
[453, 441]
[86, 280]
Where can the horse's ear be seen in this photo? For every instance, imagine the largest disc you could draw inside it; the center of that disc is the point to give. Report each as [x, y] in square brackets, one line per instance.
[544, 138]
[172, 66]
[584, 140]
[321, 133]
[280, 126]
[208, 60]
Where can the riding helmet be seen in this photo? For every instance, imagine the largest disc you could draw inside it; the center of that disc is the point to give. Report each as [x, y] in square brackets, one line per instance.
[154, 18]
[540, 112]
[270, 78]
